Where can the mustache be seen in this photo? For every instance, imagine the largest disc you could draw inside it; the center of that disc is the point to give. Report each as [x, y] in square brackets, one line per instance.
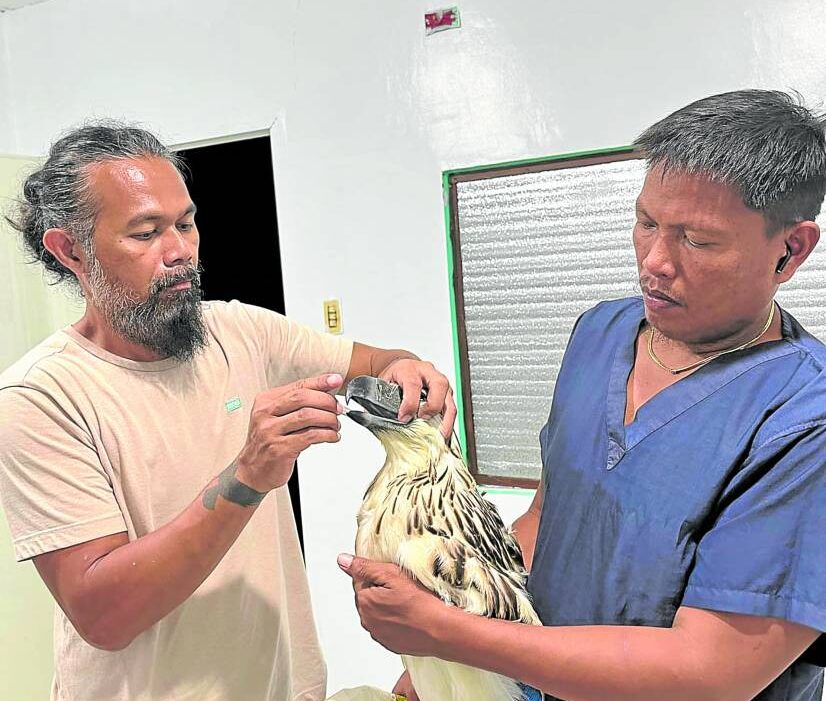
[174, 277]
[650, 284]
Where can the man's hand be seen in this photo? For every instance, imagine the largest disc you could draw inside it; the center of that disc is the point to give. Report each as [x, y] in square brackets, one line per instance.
[404, 687]
[413, 375]
[398, 613]
[284, 422]
[113, 588]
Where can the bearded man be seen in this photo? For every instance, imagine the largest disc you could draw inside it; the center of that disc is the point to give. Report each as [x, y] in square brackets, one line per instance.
[144, 450]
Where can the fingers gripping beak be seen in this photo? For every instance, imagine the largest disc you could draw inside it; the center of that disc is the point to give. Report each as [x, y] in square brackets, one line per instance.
[381, 401]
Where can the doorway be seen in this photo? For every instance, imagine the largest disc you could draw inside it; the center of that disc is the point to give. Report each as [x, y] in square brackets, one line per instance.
[233, 186]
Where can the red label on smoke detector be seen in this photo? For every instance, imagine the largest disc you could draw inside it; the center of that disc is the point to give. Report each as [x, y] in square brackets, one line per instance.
[439, 20]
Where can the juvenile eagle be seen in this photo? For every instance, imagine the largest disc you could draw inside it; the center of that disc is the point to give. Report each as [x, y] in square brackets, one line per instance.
[423, 512]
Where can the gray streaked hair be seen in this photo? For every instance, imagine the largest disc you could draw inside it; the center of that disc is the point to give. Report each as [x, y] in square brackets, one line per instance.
[764, 143]
[58, 195]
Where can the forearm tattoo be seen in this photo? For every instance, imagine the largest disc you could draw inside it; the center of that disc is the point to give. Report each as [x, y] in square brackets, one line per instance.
[232, 490]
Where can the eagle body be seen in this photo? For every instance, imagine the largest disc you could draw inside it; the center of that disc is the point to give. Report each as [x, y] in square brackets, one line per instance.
[423, 512]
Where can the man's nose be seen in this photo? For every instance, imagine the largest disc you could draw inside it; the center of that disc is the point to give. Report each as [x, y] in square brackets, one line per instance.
[658, 259]
[178, 249]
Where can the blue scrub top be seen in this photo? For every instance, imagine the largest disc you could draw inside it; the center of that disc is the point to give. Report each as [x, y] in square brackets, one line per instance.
[713, 497]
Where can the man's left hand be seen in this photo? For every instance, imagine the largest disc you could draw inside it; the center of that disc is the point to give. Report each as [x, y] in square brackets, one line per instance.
[413, 375]
[398, 613]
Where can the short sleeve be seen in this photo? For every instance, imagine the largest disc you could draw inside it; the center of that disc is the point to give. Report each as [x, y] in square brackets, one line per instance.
[53, 489]
[764, 554]
[293, 351]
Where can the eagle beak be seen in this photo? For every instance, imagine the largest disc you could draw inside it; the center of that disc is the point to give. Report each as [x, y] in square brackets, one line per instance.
[381, 401]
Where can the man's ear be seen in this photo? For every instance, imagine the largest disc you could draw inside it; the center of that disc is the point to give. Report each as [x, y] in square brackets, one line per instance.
[63, 246]
[801, 238]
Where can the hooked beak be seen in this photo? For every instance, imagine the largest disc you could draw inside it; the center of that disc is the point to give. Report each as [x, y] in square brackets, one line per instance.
[381, 401]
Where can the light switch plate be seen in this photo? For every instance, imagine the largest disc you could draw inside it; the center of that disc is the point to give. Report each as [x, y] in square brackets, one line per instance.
[332, 315]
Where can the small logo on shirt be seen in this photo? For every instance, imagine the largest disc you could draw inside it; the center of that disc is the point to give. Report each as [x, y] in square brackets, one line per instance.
[232, 404]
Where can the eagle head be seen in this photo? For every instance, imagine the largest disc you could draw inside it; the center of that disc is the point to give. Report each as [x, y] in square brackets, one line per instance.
[381, 401]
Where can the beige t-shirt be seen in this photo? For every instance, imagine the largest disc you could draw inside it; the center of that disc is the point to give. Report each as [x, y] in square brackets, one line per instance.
[92, 444]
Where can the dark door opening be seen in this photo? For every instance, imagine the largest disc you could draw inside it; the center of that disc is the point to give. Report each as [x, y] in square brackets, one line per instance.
[233, 186]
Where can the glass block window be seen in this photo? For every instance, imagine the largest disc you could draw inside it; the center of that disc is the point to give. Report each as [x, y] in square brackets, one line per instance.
[533, 248]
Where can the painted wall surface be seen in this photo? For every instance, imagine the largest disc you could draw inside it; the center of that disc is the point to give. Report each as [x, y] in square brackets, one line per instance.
[7, 142]
[368, 112]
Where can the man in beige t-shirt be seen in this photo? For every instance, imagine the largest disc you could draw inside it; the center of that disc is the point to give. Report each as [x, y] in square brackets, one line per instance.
[144, 451]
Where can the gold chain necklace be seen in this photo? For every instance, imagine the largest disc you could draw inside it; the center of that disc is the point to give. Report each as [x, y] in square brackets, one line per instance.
[704, 361]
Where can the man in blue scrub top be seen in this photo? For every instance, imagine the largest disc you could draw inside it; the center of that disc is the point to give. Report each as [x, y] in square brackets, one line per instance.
[678, 537]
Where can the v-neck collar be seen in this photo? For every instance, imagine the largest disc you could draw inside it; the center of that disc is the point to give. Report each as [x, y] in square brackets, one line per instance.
[673, 400]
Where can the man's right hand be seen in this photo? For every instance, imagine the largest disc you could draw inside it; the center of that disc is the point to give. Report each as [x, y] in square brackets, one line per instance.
[284, 422]
[404, 687]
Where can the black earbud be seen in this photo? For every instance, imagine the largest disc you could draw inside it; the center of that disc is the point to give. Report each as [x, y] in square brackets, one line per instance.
[785, 259]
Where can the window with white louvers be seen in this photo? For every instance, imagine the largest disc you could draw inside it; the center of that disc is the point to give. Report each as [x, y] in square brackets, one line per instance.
[534, 247]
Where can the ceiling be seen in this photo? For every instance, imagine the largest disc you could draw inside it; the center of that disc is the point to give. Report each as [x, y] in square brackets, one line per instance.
[6, 5]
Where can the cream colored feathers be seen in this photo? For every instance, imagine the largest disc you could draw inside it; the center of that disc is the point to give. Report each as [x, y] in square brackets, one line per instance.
[424, 513]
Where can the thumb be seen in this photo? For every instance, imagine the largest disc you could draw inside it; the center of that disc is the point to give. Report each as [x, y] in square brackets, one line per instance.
[363, 570]
[322, 383]
[345, 561]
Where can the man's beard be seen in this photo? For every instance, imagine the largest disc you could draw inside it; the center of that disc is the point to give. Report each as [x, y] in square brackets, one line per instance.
[169, 323]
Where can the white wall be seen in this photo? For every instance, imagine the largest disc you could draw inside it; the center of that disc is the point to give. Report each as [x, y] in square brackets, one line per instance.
[370, 113]
[7, 140]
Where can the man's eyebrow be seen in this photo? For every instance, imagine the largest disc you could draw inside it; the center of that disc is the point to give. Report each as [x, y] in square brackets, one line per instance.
[144, 217]
[157, 216]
